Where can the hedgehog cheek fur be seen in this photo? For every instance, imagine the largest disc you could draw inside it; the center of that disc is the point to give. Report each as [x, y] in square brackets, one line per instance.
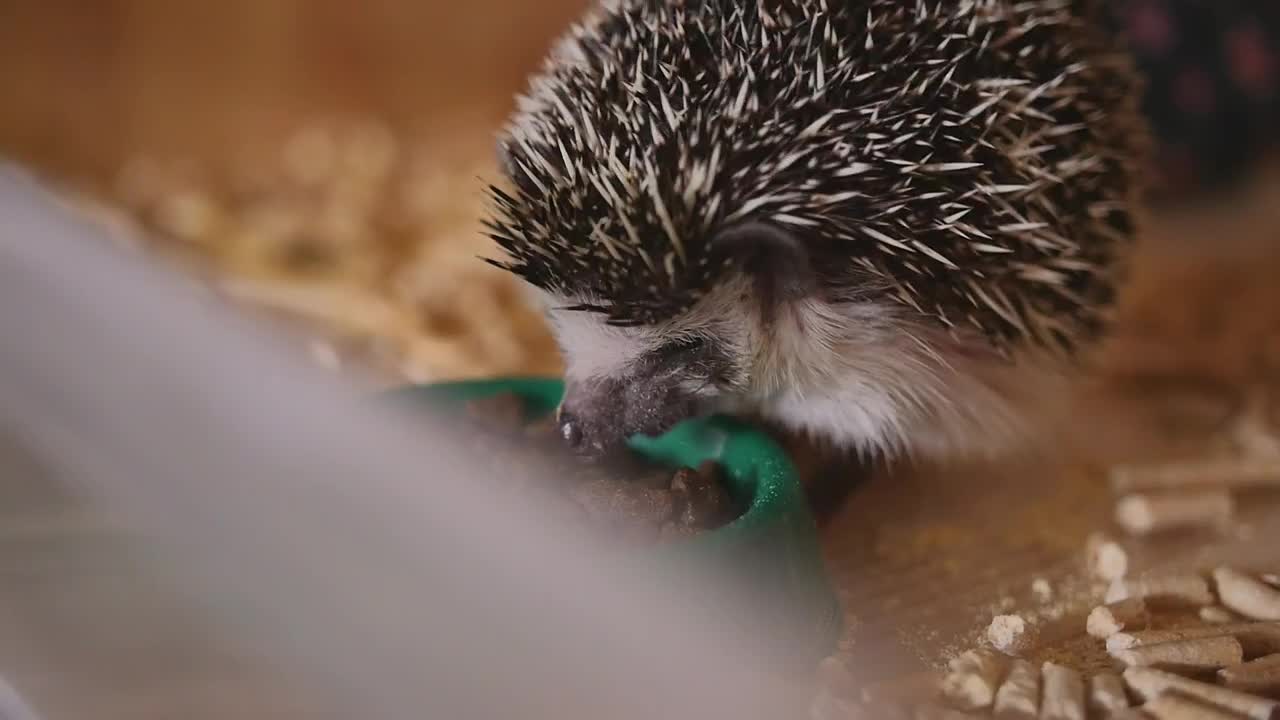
[865, 375]
[866, 378]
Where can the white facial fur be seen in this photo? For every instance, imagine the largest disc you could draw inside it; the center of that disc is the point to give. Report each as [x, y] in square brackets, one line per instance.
[858, 373]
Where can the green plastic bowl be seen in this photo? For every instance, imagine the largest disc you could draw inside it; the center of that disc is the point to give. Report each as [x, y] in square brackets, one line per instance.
[771, 550]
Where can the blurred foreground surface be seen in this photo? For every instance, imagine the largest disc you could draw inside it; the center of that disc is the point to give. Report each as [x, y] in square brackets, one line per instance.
[244, 525]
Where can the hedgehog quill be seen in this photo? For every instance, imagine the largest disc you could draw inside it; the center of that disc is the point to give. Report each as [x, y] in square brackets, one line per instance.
[885, 223]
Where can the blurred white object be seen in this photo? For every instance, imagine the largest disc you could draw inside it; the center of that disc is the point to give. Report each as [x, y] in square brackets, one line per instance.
[12, 707]
[346, 546]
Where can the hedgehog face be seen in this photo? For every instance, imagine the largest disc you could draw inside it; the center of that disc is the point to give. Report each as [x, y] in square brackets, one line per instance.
[623, 381]
[854, 371]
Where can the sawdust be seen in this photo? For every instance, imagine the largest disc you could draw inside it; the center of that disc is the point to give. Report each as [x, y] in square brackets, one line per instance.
[358, 244]
[943, 541]
[1052, 553]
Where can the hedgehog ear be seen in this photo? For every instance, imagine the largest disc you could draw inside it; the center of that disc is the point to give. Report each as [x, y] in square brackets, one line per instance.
[771, 256]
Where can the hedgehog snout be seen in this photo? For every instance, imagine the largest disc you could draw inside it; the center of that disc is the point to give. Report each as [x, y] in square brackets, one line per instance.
[571, 430]
[598, 416]
[585, 421]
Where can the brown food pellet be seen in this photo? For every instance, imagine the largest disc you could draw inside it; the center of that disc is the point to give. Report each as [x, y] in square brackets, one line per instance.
[1147, 514]
[1258, 677]
[1247, 595]
[1256, 638]
[1019, 696]
[1177, 706]
[1063, 693]
[1107, 620]
[973, 679]
[1107, 694]
[1168, 590]
[1186, 656]
[700, 496]
[1149, 684]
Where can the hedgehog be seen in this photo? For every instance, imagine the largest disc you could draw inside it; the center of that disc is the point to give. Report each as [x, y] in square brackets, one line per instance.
[894, 225]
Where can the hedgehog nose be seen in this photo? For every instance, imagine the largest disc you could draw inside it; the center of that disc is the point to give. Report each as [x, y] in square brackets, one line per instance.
[571, 430]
